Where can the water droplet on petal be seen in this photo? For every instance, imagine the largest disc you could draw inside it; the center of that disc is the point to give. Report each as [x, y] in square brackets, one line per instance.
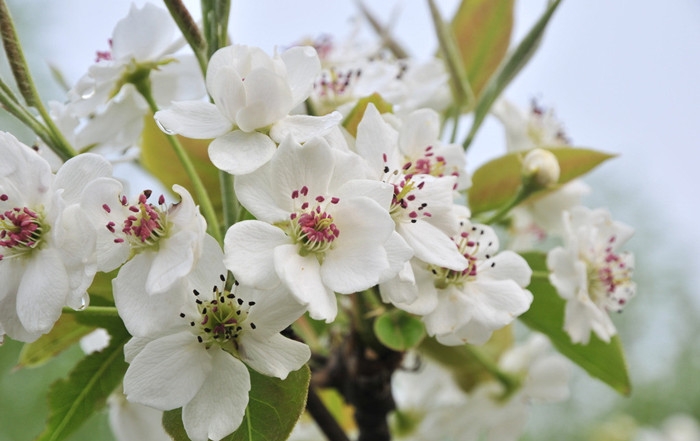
[84, 302]
[88, 92]
[165, 130]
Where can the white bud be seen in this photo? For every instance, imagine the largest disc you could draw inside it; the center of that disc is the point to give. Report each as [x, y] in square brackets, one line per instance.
[542, 167]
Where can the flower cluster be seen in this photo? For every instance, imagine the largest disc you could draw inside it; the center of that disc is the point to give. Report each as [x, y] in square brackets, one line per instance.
[342, 204]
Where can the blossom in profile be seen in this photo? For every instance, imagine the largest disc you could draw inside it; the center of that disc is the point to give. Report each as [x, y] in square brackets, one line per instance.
[253, 96]
[321, 228]
[191, 344]
[47, 243]
[591, 273]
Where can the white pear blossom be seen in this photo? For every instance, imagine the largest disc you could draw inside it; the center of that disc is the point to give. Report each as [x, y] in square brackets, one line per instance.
[320, 229]
[526, 130]
[164, 240]
[107, 111]
[348, 75]
[47, 242]
[467, 306]
[590, 272]
[190, 344]
[253, 96]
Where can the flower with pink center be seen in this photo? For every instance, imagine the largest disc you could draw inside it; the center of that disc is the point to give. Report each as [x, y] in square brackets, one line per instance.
[467, 305]
[47, 242]
[164, 239]
[422, 206]
[590, 272]
[253, 96]
[191, 344]
[320, 227]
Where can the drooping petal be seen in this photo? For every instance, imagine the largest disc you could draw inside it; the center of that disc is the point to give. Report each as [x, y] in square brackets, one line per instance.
[42, 292]
[168, 372]
[249, 249]
[193, 119]
[275, 356]
[432, 245]
[302, 276]
[239, 152]
[219, 406]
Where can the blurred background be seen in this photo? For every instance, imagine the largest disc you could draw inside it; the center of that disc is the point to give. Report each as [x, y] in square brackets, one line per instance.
[623, 78]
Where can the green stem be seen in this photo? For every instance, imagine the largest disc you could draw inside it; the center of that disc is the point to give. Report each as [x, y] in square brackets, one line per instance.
[231, 206]
[10, 103]
[522, 194]
[143, 85]
[215, 15]
[94, 311]
[25, 83]
[189, 30]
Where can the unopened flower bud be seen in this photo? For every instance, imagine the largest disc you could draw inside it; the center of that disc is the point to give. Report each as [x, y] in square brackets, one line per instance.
[541, 167]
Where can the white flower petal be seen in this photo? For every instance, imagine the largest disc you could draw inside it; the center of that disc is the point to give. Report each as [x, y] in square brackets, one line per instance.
[249, 249]
[275, 356]
[432, 245]
[193, 119]
[302, 276]
[42, 292]
[239, 152]
[218, 408]
[144, 34]
[303, 66]
[304, 127]
[268, 99]
[77, 172]
[173, 261]
[168, 372]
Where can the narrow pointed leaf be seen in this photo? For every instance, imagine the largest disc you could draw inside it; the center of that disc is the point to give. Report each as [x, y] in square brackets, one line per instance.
[496, 182]
[509, 68]
[72, 400]
[605, 361]
[273, 409]
[399, 330]
[482, 29]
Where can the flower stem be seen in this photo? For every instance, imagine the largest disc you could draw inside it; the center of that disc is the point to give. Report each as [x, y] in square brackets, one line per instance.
[324, 419]
[94, 311]
[189, 30]
[215, 14]
[231, 206]
[27, 88]
[509, 381]
[143, 85]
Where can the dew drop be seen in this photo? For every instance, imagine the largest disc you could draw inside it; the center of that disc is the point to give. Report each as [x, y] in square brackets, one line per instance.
[84, 302]
[165, 130]
[88, 91]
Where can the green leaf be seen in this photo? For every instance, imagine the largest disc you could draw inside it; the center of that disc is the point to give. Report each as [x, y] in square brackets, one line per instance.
[64, 334]
[72, 400]
[497, 182]
[509, 68]
[355, 116]
[399, 330]
[482, 29]
[605, 361]
[273, 409]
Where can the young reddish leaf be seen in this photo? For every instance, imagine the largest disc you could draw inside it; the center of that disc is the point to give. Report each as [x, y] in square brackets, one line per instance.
[482, 29]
